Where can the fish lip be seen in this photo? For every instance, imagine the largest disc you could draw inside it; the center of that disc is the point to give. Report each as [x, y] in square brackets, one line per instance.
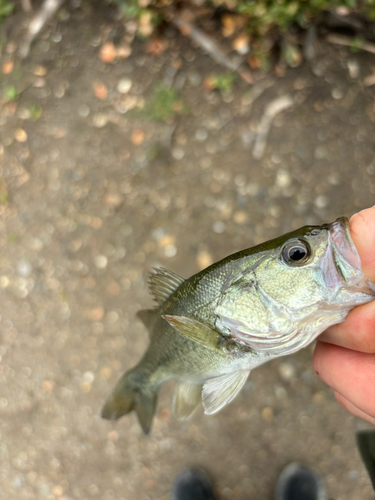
[341, 265]
[342, 243]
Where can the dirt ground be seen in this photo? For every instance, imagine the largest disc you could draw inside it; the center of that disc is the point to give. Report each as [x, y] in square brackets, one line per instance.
[94, 192]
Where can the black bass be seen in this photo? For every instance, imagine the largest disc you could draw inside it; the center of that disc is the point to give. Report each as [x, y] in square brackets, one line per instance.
[210, 330]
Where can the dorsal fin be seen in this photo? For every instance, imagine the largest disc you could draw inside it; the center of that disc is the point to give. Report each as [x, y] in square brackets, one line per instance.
[163, 283]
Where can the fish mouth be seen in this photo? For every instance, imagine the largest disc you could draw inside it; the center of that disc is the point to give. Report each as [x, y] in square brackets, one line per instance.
[341, 265]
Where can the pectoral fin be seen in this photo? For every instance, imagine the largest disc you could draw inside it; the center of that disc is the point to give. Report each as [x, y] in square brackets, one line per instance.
[219, 391]
[196, 331]
[186, 399]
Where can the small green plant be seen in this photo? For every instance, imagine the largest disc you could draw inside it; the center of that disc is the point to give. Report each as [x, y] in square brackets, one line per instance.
[35, 112]
[11, 93]
[223, 81]
[165, 104]
[4, 195]
[6, 8]
[356, 45]
[12, 237]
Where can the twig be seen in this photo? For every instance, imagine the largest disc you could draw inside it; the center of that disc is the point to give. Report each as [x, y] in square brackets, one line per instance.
[273, 108]
[350, 42]
[210, 46]
[44, 14]
[26, 5]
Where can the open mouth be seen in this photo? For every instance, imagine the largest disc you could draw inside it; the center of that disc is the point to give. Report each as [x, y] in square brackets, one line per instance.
[343, 247]
[341, 264]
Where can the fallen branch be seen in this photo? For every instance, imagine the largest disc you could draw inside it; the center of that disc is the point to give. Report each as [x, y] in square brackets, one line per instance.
[350, 42]
[211, 47]
[273, 108]
[37, 23]
[26, 5]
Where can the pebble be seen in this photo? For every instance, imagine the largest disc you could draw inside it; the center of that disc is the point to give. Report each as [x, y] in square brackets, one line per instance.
[267, 414]
[59, 92]
[178, 153]
[20, 135]
[287, 371]
[283, 179]
[353, 68]
[170, 251]
[201, 134]
[337, 93]
[100, 120]
[40, 70]
[56, 37]
[83, 111]
[24, 268]
[101, 261]
[97, 314]
[124, 85]
[218, 227]
[204, 259]
[321, 201]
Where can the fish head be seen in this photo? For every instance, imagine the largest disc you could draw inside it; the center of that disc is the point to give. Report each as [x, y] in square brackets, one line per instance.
[291, 289]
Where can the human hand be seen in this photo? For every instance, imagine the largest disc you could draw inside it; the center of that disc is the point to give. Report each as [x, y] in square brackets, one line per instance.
[344, 356]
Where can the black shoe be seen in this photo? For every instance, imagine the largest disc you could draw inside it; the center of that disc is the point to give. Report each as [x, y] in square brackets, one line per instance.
[192, 484]
[366, 446]
[297, 482]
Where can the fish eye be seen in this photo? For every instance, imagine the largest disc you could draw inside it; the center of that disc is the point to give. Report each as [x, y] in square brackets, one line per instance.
[295, 252]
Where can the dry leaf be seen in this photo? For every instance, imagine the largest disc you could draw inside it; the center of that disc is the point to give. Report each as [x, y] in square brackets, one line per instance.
[254, 62]
[107, 52]
[156, 46]
[209, 83]
[229, 25]
[7, 67]
[100, 91]
[241, 44]
[137, 137]
[369, 80]
[145, 26]
[40, 71]
[20, 135]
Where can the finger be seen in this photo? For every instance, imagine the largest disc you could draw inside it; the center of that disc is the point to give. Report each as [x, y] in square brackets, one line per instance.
[353, 409]
[357, 332]
[362, 229]
[348, 372]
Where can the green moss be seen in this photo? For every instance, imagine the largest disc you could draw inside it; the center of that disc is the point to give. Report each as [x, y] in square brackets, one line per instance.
[165, 104]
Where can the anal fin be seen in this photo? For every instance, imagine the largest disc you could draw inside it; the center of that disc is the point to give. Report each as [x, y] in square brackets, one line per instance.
[219, 391]
[186, 398]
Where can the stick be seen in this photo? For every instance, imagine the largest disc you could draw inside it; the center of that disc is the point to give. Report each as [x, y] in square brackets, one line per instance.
[211, 47]
[26, 5]
[350, 42]
[44, 14]
[273, 108]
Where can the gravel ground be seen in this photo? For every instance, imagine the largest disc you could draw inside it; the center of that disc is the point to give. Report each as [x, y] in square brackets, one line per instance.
[95, 192]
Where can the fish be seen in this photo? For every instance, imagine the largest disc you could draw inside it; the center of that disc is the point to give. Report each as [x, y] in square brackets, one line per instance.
[209, 331]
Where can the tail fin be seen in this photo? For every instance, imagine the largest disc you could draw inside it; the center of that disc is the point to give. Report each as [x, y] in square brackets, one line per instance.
[132, 392]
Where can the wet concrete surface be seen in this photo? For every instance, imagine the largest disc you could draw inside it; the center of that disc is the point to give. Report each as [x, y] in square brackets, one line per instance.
[97, 193]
